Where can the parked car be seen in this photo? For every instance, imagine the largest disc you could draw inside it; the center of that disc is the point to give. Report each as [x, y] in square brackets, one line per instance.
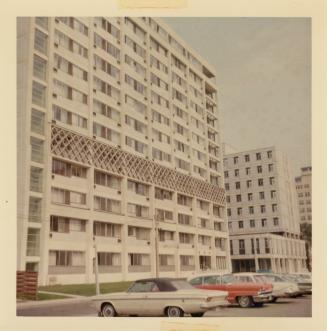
[278, 290]
[159, 297]
[244, 294]
[305, 285]
[281, 287]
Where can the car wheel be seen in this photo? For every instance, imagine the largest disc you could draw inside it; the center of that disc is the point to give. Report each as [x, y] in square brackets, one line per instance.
[258, 304]
[108, 310]
[245, 301]
[197, 314]
[174, 312]
[274, 299]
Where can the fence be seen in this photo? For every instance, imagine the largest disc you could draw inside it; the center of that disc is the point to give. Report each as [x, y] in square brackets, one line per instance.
[26, 285]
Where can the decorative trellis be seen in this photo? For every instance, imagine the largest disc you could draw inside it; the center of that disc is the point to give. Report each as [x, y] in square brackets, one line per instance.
[79, 148]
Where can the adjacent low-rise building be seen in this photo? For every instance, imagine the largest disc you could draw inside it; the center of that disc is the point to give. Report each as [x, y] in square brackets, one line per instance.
[303, 189]
[262, 212]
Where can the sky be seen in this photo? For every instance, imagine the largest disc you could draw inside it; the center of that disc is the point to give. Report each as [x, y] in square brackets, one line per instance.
[263, 68]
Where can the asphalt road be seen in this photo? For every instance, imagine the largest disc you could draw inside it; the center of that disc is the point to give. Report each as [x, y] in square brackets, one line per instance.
[299, 307]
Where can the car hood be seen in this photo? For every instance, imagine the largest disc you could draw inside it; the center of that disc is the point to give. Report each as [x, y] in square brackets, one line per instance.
[283, 285]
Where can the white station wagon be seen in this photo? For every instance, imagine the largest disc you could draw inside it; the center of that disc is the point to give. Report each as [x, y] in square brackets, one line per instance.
[159, 297]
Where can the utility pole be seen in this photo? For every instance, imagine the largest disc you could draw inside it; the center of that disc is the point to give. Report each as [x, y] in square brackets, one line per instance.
[156, 234]
[96, 269]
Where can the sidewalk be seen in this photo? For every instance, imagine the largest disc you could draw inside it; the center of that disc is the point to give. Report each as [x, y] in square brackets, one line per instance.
[71, 299]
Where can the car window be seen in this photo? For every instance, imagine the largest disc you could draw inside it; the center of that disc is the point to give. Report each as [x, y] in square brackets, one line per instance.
[181, 285]
[227, 279]
[196, 281]
[244, 279]
[259, 279]
[210, 280]
[142, 287]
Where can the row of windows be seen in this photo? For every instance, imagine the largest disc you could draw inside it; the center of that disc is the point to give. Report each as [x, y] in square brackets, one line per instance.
[250, 196]
[247, 158]
[254, 223]
[247, 171]
[262, 209]
[248, 183]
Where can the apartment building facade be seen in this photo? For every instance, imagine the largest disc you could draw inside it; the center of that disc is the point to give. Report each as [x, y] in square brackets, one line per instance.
[118, 151]
[304, 191]
[262, 212]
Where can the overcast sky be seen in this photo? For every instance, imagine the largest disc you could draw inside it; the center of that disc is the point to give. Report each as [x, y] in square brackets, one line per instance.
[264, 79]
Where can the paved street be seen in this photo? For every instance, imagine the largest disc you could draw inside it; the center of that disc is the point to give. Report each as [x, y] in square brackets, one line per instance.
[299, 307]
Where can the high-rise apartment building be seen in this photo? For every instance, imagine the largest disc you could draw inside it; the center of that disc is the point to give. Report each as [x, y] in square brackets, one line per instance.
[118, 140]
[262, 212]
[303, 189]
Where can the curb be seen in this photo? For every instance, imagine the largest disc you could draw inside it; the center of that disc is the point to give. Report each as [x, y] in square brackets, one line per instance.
[30, 304]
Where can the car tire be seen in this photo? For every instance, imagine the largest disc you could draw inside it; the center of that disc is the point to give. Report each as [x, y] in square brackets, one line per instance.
[173, 311]
[258, 304]
[197, 314]
[245, 301]
[274, 299]
[108, 310]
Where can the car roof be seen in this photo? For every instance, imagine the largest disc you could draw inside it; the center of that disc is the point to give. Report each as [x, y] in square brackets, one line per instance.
[209, 274]
[246, 273]
[164, 284]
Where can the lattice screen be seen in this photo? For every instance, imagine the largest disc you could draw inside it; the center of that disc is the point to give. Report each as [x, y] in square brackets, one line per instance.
[76, 147]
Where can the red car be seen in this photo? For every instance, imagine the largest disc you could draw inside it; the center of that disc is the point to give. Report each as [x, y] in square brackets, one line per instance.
[244, 294]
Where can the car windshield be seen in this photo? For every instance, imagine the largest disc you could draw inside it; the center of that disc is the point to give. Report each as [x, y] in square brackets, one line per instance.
[259, 279]
[181, 285]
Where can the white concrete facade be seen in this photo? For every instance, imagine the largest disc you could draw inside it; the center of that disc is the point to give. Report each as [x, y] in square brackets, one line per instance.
[118, 138]
[262, 212]
[304, 190]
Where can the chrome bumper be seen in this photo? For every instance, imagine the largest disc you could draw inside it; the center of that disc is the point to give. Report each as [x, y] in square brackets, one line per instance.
[214, 304]
[264, 297]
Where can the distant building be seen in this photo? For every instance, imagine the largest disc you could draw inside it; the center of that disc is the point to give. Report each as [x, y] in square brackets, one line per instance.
[262, 212]
[303, 189]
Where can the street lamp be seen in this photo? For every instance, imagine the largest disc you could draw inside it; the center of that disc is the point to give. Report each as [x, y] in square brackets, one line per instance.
[96, 268]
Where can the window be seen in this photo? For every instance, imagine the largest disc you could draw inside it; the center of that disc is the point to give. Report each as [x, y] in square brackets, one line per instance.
[247, 157]
[136, 85]
[106, 133]
[166, 235]
[260, 182]
[106, 67]
[67, 117]
[160, 155]
[261, 195]
[235, 159]
[69, 68]
[108, 27]
[160, 136]
[108, 259]
[35, 210]
[264, 222]
[236, 172]
[106, 46]
[274, 207]
[138, 188]
[238, 198]
[135, 28]
[184, 200]
[248, 171]
[36, 179]
[75, 24]
[251, 210]
[273, 194]
[66, 224]
[272, 180]
[37, 122]
[154, 62]
[270, 167]
[39, 67]
[181, 164]
[65, 91]
[41, 41]
[159, 100]
[263, 209]
[158, 82]
[135, 104]
[135, 124]
[227, 198]
[105, 88]
[184, 219]
[66, 258]
[139, 233]
[70, 44]
[104, 179]
[229, 212]
[257, 245]
[107, 205]
[258, 156]
[227, 186]
[248, 183]
[137, 210]
[267, 248]
[106, 110]
[137, 49]
[239, 211]
[269, 154]
[61, 196]
[240, 224]
[33, 242]
[186, 238]
[42, 22]
[276, 221]
[36, 150]
[250, 196]
[252, 223]
[252, 246]
[241, 246]
[137, 67]
[38, 94]
[259, 169]
[231, 247]
[237, 185]
[138, 146]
